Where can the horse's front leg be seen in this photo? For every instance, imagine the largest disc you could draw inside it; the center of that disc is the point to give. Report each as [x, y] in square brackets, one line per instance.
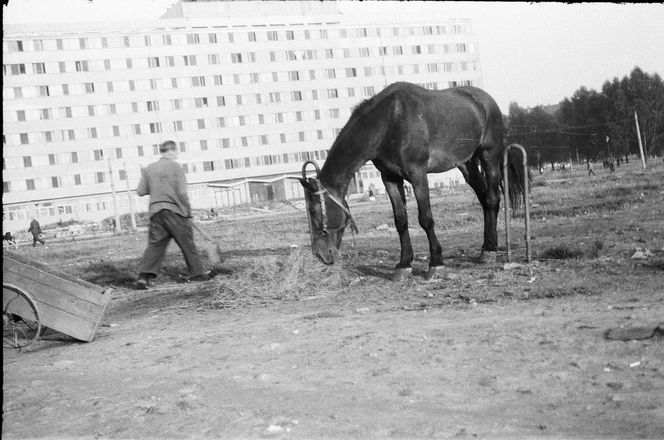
[421, 190]
[394, 188]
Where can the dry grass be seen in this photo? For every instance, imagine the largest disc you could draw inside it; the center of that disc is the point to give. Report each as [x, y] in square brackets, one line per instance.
[276, 278]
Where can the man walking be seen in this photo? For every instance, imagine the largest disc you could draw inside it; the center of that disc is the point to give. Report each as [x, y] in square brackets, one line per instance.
[36, 232]
[170, 217]
[590, 168]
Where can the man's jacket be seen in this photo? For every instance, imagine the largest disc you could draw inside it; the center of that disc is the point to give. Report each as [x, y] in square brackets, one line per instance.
[164, 182]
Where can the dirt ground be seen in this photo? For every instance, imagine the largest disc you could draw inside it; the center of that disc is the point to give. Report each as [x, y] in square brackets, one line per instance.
[481, 352]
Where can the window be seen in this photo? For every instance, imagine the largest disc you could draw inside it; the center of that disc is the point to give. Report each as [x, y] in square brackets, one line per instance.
[236, 58]
[55, 182]
[122, 174]
[221, 101]
[244, 141]
[43, 91]
[198, 81]
[99, 177]
[118, 153]
[176, 104]
[334, 113]
[111, 109]
[212, 38]
[107, 65]
[147, 41]
[27, 162]
[461, 47]
[109, 86]
[293, 75]
[18, 92]
[290, 35]
[296, 96]
[153, 106]
[300, 136]
[351, 72]
[368, 91]
[177, 126]
[24, 138]
[92, 133]
[397, 50]
[282, 138]
[252, 36]
[204, 145]
[30, 184]
[153, 62]
[139, 150]
[132, 85]
[365, 52]
[183, 147]
[218, 80]
[189, 60]
[74, 157]
[200, 123]
[242, 121]
[167, 40]
[154, 84]
[20, 115]
[155, 127]
[116, 131]
[174, 83]
[213, 58]
[200, 102]
[104, 42]
[221, 122]
[91, 110]
[417, 50]
[98, 155]
[208, 165]
[51, 159]
[39, 68]
[89, 87]
[272, 36]
[136, 129]
[125, 41]
[38, 45]
[193, 39]
[81, 66]
[225, 143]
[77, 179]
[332, 93]
[238, 99]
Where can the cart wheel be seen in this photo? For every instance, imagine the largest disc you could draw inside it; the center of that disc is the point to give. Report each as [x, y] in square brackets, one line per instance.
[20, 318]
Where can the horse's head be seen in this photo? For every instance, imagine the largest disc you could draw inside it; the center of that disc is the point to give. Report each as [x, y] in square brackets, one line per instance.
[328, 218]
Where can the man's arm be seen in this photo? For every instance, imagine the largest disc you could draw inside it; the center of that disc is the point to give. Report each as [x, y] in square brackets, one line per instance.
[181, 189]
[143, 188]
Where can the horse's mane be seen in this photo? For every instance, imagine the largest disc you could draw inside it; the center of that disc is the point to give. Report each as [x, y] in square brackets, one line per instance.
[362, 106]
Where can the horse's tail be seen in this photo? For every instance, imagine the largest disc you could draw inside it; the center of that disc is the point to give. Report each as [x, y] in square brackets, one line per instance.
[516, 178]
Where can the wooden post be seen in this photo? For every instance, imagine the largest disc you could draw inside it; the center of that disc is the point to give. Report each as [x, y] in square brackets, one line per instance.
[638, 134]
[118, 227]
[131, 201]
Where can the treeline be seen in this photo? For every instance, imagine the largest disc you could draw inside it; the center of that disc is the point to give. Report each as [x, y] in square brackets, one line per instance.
[593, 125]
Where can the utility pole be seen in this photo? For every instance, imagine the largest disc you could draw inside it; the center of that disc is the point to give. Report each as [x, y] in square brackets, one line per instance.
[638, 134]
[131, 201]
[115, 202]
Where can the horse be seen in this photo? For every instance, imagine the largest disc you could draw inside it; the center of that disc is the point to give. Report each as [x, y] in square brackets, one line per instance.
[407, 132]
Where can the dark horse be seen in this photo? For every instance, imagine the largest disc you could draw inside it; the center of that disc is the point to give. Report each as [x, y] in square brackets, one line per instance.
[408, 131]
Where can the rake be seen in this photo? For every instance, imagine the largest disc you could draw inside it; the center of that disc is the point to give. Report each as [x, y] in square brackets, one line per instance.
[211, 246]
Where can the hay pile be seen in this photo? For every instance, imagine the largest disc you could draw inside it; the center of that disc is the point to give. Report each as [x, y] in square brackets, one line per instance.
[276, 278]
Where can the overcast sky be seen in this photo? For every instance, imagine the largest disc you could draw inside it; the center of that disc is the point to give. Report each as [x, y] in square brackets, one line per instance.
[531, 54]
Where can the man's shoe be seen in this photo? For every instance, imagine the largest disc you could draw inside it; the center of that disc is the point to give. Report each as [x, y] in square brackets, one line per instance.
[142, 283]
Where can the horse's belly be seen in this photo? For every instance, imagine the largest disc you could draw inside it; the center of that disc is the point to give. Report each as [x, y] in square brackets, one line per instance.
[446, 154]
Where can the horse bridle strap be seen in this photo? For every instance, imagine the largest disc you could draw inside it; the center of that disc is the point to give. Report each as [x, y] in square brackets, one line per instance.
[349, 219]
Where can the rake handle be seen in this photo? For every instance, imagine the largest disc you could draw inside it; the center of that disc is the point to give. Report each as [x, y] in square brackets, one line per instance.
[203, 233]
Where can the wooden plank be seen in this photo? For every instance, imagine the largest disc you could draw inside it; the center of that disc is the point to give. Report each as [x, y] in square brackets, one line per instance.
[9, 256]
[51, 281]
[65, 303]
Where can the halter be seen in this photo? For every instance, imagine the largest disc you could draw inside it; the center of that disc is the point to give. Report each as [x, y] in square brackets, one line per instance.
[321, 193]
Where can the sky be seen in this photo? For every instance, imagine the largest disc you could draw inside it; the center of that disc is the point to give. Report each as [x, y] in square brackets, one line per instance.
[530, 53]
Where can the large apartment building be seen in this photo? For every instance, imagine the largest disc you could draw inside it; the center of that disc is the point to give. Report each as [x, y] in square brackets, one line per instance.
[248, 91]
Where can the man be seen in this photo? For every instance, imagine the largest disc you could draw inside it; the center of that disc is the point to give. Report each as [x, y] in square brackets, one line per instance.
[36, 232]
[170, 217]
[590, 168]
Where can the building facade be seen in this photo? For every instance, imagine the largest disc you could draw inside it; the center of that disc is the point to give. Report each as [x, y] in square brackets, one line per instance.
[247, 96]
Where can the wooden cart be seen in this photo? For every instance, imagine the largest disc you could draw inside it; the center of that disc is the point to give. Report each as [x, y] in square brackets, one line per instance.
[35, 296]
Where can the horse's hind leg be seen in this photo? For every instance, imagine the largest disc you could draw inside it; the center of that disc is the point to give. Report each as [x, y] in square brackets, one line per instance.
[474, 177]
[394, 188]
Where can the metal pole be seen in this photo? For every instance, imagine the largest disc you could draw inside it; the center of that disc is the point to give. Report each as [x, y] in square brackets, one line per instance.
[525, 201]
[131, 201]
[638, 134]
[115, 202]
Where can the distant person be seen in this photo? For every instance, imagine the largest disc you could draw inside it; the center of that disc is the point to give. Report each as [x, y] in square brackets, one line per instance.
[9, 240]
[590, 169]
[35, 230]
[170, 217]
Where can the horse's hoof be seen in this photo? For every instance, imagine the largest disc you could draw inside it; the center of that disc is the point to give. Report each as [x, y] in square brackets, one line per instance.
[402, 273]
[433, 273]
[488, 257]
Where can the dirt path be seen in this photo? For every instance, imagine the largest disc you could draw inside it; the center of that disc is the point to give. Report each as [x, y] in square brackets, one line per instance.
[315, 369]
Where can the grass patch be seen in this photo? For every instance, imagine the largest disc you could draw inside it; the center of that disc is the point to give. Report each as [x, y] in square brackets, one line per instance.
[108, 274]
[562, 252]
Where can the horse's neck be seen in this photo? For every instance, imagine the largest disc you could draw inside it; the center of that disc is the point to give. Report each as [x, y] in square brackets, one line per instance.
[340, 167]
